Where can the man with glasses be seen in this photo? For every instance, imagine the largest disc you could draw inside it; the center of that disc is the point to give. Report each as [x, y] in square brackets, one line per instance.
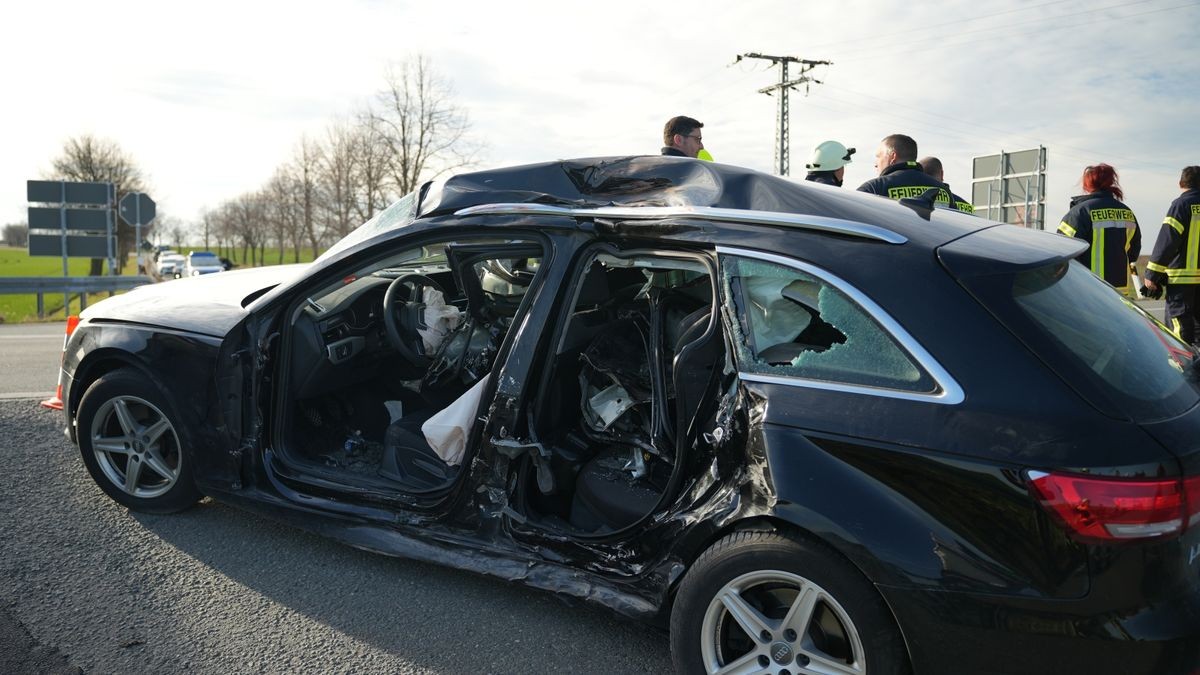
[682, 137]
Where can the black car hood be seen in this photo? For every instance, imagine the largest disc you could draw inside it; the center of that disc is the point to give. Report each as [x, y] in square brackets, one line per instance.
[208, 305]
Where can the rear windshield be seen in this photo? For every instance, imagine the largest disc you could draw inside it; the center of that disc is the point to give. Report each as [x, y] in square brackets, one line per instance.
[1112, 352]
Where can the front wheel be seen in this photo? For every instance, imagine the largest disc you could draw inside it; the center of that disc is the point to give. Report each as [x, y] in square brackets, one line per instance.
[133, 446]
[762, 602]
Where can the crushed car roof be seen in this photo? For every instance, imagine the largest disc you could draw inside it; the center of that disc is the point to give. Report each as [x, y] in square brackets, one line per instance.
[661, 181]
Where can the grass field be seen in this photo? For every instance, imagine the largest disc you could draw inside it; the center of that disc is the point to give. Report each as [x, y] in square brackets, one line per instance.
[16, 262]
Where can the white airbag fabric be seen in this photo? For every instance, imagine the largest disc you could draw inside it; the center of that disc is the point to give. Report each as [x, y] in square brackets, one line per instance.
[440, 320]
[446, 432]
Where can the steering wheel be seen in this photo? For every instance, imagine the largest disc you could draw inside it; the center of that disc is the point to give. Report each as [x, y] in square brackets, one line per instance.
[402, 318]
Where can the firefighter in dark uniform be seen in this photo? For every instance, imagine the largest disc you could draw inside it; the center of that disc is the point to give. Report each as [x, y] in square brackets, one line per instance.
[899, 174]
[828, 163]
[1175, 262]
[933, 166]
[1102, 220]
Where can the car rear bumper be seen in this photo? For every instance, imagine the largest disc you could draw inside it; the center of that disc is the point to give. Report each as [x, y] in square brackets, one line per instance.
[953, 633]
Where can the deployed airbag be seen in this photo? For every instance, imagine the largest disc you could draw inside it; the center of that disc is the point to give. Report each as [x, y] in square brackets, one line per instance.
[440, 319]
[447, 431]
[776, 318]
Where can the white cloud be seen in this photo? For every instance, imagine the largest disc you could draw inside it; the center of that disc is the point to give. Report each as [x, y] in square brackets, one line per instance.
[210, 98]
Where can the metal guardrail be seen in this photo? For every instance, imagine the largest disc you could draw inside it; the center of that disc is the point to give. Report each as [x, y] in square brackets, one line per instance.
[66, 285]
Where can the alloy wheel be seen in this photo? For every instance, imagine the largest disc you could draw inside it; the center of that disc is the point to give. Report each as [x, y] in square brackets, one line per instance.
[136, 447]
[780, 623]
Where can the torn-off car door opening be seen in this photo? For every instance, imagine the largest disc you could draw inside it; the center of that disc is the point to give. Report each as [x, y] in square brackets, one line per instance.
[637, 353]
[385, 370]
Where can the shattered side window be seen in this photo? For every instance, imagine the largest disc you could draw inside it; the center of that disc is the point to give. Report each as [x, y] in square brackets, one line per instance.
[793, 324]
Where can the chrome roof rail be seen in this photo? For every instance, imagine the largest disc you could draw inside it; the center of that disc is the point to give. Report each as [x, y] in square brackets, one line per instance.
[796, 220]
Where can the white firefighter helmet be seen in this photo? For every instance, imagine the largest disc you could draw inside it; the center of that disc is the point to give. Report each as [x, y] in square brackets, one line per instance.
[829, 156]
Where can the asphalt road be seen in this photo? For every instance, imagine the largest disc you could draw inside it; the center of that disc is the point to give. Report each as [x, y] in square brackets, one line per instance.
[86, 584]
[29, 358]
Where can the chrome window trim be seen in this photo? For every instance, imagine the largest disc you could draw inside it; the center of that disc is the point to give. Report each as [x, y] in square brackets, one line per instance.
[949, 392]
[801, 221]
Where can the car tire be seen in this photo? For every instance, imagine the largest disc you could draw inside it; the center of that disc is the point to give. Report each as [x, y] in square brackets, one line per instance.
[770, 583]
[133, 445]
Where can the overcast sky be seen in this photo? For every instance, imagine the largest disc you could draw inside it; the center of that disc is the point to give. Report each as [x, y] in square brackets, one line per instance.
[209, 98]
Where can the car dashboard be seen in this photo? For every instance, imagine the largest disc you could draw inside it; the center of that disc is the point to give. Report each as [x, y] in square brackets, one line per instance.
[340, 338]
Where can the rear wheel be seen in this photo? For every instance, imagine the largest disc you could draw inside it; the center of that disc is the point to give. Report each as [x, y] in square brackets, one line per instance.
[132, 445]
[761, 602]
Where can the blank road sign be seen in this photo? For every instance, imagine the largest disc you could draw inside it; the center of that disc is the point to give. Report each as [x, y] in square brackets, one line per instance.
[137, 208]
[43, 218]
[51, 192]
[77, 246]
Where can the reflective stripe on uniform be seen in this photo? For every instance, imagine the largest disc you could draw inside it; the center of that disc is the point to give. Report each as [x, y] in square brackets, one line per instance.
[1191, 276]
[1098, 253]
[1184, 276]
[1175, 224]
[1192, 260]
[1066, 229]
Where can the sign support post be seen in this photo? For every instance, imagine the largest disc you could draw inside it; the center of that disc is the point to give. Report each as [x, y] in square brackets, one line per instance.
[62, 221]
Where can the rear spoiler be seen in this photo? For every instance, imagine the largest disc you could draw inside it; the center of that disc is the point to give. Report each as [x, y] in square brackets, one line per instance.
[1005, 249]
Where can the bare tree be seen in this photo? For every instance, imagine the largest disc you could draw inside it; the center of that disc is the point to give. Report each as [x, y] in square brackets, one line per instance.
[282, 213]
[411, 133]
[90, 159]
[425, 132]
[206, 225]
[16, 234]
[223, 223]
[172, 231]
[371, 168]
[305, 169]
[337, 167]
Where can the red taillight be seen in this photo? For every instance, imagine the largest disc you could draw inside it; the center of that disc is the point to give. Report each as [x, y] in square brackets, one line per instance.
[1191, 493]
[1116, 509]
[72, 324]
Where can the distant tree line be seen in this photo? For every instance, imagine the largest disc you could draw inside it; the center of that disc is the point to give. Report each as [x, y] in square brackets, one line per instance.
[16, 234]
[410, 132]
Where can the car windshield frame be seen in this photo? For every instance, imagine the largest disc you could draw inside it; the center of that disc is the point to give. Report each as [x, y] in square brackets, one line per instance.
[401, 213]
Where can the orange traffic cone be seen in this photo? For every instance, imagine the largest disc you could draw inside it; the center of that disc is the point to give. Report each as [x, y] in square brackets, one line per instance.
[55, 402]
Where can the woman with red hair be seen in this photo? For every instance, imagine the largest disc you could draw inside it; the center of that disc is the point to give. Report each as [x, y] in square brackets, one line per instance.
[1104, 221]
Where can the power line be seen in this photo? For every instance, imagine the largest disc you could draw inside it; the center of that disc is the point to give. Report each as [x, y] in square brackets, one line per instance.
[1000, 29]
[922, 29]
[870, 53]
[1086, 154]
[782, 138]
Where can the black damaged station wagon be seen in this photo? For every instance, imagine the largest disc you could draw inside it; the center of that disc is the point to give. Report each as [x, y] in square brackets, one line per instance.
[809, 430]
